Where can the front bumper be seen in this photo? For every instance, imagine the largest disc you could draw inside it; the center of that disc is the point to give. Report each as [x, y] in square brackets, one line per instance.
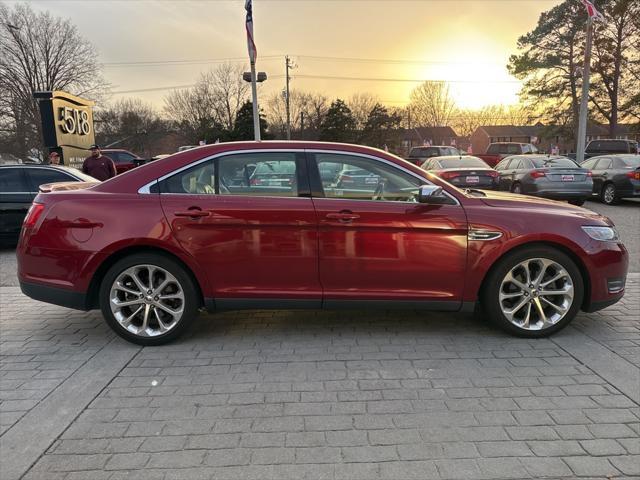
[607, 266]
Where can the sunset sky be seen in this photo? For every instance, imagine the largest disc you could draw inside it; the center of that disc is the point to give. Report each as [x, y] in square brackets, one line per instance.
[466, 43]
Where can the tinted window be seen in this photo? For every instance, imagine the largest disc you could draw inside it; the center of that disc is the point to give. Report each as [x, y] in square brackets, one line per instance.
[554, 163]
[493, 149]
[618, 164]
[516, 164]
[424, 152]
[463, 162]
[40, 176]
[11, 180]
[265, 174]
[367, 179]
[503, 165]
[603, 164]
[197, 180]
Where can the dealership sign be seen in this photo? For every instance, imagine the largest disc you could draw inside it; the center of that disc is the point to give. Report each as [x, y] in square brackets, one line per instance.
[67, 125]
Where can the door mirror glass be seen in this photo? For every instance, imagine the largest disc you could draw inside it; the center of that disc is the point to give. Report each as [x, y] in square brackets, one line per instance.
[432, 194]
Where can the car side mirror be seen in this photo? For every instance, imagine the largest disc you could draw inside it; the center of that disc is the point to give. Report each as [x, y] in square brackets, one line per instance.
[432, 194]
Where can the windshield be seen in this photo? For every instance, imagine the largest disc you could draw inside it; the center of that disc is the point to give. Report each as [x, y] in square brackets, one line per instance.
[554, 163]
[463, 162]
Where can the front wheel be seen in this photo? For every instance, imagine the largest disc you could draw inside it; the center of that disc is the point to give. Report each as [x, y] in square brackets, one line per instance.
[148, 299]
[533, 292]
[577, 203]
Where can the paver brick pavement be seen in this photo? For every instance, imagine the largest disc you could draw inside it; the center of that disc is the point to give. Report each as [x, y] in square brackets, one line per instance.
[327, 395]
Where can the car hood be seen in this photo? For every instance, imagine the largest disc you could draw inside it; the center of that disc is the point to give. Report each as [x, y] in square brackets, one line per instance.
[527, 203]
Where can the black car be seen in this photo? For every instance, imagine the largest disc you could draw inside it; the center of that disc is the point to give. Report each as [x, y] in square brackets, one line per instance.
[615, 177]
[18, 187]
[463, 171]
[557, 178]
[608, 146]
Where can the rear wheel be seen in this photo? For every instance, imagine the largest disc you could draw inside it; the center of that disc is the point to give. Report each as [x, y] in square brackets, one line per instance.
[533, 292]
[609, 193]
[148, 299]
[516, 188]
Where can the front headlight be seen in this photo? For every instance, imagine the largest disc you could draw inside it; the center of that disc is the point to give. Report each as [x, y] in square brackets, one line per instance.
[603, 234]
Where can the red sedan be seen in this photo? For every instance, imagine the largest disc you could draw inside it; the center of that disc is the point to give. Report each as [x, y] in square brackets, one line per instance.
[267, 225]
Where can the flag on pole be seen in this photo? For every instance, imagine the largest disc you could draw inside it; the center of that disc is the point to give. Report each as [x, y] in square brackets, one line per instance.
[251, 46]
[592, 11]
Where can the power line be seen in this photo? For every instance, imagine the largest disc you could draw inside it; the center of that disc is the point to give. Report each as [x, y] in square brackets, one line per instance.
[408, 80]
[171, 87]
[157, 63]
[390, 61]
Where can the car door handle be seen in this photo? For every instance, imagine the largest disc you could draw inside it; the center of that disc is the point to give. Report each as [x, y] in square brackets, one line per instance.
[343, 216]
[195, 213]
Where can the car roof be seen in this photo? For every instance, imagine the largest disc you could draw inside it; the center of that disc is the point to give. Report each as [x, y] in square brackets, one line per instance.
[615, 155]
[433, 146]
[537, 157]
[455, 157]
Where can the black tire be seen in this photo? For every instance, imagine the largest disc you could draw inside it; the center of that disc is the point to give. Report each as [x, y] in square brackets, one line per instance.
[516, 188]
[192, 301]
[577, 203]
[491, 289]
[608, 195]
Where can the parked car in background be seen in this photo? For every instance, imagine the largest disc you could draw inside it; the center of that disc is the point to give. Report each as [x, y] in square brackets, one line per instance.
[418, 155]
[608, 146]
[123, 159]
[557, 178]
[499, 150]
[414, 241]
[19, 184]
[615, 177]
[463, 171]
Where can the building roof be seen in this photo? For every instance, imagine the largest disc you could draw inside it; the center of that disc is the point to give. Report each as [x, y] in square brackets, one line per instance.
[512, 130]
[426, 133]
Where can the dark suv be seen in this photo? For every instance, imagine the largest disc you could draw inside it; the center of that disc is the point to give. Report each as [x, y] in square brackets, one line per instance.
[608, 146]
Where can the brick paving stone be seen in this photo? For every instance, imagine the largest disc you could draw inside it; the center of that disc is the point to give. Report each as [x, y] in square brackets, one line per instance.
[336, 395]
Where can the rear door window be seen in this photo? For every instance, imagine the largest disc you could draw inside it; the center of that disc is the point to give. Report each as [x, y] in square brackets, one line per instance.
[13, 181]
[40, 176]
[504, 164]
[603, 164]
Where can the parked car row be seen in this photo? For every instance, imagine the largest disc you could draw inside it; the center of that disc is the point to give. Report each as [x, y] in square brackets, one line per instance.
[610, 177]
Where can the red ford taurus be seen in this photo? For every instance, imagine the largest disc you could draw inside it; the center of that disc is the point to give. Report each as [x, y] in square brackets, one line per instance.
[271, 225]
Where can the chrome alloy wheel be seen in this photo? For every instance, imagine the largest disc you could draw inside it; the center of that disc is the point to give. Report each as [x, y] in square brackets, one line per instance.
[146, 300]
[536, 294]
[609, 194]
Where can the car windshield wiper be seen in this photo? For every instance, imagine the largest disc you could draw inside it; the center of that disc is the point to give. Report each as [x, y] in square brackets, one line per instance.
[474, 190]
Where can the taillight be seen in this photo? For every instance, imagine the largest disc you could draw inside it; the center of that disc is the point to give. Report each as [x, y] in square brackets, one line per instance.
[589, 174]
[33, 215]
[537, 174]
[493, 174]
[633, 175]
[255, 181]
[449, 175]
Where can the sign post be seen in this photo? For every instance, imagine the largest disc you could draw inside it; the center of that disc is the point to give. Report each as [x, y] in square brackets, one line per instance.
[251, 46]
[67, 125]
[586, 71]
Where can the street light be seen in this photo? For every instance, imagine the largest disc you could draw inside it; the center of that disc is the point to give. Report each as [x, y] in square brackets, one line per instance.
[260, 77]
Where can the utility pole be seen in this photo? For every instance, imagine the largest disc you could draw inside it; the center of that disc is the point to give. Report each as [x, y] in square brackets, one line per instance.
[288, 66]
[586, 70]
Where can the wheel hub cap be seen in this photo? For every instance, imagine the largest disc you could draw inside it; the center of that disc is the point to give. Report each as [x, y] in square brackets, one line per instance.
[147, 300]
[536, 294]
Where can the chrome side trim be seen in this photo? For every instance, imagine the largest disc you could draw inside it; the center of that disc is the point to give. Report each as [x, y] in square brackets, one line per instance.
[483, 235]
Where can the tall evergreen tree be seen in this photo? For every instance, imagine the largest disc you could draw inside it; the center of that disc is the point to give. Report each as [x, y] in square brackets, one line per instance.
[338, 124]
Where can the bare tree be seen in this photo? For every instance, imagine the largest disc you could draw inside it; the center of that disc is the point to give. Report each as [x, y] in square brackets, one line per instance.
[130, 122]
[276, 110]
[213, 102]
[361, 105]
[40, 52]
[432, 105]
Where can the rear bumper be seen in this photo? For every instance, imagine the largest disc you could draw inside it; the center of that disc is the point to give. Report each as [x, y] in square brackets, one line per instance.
[56, 296]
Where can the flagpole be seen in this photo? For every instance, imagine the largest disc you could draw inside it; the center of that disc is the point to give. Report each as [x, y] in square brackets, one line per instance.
[586, 71]
[254, 93]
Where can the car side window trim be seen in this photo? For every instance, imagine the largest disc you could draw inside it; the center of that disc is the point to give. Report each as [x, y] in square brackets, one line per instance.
[146, 189]
[314, 172]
